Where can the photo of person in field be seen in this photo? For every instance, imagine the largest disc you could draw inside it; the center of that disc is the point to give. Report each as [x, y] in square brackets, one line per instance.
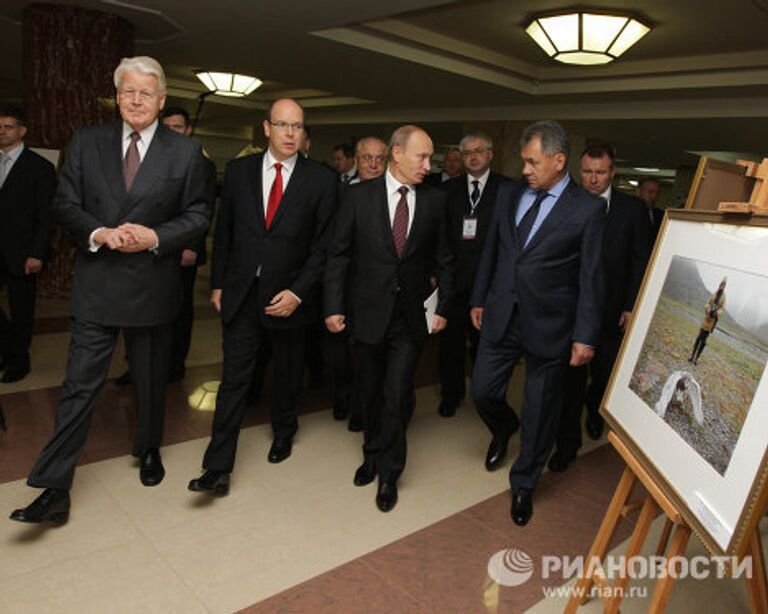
[705, 397]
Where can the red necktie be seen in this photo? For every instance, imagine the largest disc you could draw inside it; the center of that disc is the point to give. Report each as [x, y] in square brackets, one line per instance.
[400, 221]
[131, 162]
[275, 194]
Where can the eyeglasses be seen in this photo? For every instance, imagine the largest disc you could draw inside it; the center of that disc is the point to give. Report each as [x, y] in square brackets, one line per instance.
[478, 150]
[368, 158]
[144, 95]
[297, 127]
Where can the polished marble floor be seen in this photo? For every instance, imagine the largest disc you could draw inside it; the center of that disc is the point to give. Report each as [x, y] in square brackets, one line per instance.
[293, 537]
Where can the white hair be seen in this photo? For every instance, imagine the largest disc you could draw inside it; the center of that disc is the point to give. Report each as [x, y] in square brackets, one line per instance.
[142, 64]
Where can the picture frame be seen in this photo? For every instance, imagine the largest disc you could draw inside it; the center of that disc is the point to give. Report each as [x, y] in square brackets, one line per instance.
[698, 424]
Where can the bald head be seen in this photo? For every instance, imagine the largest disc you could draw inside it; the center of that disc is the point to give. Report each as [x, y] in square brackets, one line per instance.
[371, 157]
[284, 128]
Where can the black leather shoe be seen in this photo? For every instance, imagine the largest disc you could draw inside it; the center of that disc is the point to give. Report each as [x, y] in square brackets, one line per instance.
[365, 474]
[216, 482]
[151, 470]
[355, 423]
[559, 461]
[280, 449]
[341, 408]
[522, 507]
[497, 452]
[447, 409]
[52, 505]
[15, 372]
[386, 496]
[595, 426]
[124, 379]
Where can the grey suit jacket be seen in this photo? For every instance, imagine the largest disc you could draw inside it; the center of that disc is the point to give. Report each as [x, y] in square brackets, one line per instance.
[170, 194]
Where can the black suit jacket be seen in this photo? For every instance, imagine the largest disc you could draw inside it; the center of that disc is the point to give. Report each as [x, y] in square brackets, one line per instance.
[290, 255]
[362, 257]
[199, 246]
[556, 281]
[170, 194]
[468, 251]
[25, 210]
[658, 218]
[626, 246]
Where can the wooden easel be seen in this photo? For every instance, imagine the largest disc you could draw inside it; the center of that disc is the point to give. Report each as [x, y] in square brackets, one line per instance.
[758, 201]
[621, 507]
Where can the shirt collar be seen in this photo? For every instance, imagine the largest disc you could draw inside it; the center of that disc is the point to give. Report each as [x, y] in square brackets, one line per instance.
[146, 135]
[607, 194]
[393, 185]
[288, 163]
[15, 152]
[482, 178]
[557, 189]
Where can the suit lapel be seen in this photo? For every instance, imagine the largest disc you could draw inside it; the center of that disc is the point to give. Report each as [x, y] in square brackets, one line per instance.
[292, 191]
[153, 167]
[111, 154]
[562, 210]
[17, 169]
[256, 175]
[422, 202]
[381, 208]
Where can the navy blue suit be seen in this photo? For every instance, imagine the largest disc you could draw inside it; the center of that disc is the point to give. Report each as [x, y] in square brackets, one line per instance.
[538, 300]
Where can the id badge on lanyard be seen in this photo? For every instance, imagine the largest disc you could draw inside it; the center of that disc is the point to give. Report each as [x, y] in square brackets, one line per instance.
[469, 228]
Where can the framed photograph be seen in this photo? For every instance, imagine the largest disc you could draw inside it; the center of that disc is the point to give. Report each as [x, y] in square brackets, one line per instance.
[688, 394]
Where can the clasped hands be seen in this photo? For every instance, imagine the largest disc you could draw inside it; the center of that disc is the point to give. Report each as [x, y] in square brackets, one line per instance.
[127, 238]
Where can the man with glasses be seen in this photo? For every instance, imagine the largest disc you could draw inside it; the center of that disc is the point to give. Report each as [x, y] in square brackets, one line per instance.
[267, 263]
[471, 200]
[133, 194]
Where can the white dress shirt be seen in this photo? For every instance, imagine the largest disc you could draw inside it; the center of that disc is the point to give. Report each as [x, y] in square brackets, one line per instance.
[481, 181]
[393, 197]
[268, 174]
[607, 197]
[9, 159]
[145, 138]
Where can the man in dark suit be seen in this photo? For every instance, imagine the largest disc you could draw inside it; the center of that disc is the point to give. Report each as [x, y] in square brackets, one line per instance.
[391, 235]
[268, 256]
[133, 194]
[27, 183]
[193, 256]
[649, 191]
[538, 295]
[626, 245]
[371, 162]
[452, 166]
[344, 162]
[471, 200]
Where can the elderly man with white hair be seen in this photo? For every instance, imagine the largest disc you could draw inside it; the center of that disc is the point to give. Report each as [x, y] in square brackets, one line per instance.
[133, 194]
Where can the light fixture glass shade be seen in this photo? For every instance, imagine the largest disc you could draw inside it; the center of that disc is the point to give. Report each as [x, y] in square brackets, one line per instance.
[228, 84]
[586, 38]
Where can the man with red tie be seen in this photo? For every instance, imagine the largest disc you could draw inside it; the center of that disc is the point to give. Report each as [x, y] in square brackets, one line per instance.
[267, 264]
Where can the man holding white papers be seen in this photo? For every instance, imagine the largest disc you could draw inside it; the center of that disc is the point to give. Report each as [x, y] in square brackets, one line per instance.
[391, 236]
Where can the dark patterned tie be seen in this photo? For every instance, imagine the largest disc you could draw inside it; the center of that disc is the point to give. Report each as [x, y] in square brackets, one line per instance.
[400, 222]
[275, 195]
[131, 162]
[526, 224]
[475, 196]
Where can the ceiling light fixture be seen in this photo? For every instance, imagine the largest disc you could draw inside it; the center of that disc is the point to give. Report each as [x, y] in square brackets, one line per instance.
[228, 83]
[586, 38]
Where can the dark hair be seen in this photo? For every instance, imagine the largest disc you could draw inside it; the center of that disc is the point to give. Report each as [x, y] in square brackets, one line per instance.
[307, 131]
[349, 152]
[599, 150]
[14, 111]
[554, 139]
[645, 180]
[169, 111]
